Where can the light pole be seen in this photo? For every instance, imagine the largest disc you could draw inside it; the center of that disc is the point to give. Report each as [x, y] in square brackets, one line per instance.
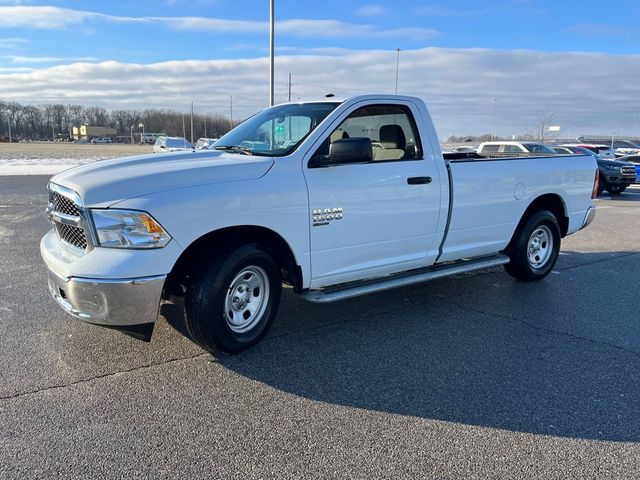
[635, 119]
[141, 125]
[271, 49]
[131, 132]
[9, 120]
[493, 121]
[398, 50]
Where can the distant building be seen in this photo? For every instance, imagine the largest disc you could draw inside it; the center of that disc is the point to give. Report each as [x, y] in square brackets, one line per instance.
[87, 132]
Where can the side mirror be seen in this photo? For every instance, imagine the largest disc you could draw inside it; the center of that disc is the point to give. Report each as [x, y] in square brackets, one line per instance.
[351, 150]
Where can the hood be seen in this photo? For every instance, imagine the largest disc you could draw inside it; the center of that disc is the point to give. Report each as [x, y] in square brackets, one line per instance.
[613, 163]
[106, 182]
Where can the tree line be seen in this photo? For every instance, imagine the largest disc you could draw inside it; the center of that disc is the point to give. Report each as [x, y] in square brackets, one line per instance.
[46, 122]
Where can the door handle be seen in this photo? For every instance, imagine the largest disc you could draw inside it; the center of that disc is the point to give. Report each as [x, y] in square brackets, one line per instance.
[418, 180]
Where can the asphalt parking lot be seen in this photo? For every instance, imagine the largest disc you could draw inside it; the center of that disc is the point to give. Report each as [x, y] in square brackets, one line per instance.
[473, 377]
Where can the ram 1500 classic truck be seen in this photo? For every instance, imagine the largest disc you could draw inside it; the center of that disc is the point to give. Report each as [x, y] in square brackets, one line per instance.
[335, 198]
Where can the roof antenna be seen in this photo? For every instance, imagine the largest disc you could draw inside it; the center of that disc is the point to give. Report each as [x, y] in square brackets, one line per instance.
[329, 95]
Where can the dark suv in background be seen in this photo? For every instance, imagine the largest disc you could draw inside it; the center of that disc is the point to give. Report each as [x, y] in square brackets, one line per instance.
[615, 175]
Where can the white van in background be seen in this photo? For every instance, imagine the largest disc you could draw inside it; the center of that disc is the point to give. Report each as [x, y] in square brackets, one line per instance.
[171, 144]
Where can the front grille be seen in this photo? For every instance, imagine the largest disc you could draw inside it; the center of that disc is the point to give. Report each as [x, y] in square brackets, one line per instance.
[65, 212]
[628, 171]
[72, 235]
[64, 204]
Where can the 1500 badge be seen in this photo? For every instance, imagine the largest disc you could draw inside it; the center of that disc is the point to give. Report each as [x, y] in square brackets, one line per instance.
[326, 215]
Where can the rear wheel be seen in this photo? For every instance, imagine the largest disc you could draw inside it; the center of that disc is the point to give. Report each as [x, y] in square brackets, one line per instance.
[534, 250]
[616, 189]
[231, 304]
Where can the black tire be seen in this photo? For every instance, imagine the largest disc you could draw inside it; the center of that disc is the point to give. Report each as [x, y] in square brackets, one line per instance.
[616, 189]
[541, 228]
[220, 285]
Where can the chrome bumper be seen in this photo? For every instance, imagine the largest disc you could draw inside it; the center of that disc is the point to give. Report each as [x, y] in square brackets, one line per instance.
[117, 302]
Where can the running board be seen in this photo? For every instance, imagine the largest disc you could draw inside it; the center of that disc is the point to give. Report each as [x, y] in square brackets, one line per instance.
[334, 294]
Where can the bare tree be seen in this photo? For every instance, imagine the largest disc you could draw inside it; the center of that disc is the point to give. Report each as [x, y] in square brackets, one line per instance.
[31, 121]
[76, 115]
[541, 128]
[123, 120]
[96, 116]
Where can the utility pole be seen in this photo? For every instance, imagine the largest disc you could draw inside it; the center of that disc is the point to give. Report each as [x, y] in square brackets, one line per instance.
[9, 121]
[191, 122]
[289, 86]
[271, 49]
[493, 121]
[398, 50]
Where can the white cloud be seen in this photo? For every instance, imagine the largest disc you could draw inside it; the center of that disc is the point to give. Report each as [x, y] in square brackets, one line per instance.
[46, 17]
[12, 42]
[600, 30]
[38, 60]
[371, 10]
[15, 69]
[41, 17]
[459, 85]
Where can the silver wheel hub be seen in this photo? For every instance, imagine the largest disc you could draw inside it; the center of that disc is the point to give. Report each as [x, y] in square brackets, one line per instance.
[247, 299]
[540, 246]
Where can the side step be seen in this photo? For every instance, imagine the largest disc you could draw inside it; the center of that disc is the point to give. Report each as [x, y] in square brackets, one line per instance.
[356, 289]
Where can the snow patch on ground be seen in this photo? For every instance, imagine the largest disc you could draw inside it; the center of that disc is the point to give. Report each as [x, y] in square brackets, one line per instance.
[41, 166]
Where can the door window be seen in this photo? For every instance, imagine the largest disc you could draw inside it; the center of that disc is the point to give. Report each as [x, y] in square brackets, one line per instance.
[390, 128]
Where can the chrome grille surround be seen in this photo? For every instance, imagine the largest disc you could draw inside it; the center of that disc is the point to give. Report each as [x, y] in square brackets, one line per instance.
[69, 218]
[628, 171]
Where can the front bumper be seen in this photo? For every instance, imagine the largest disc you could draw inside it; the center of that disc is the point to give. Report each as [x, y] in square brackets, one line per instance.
[114, 302]
[620, 179]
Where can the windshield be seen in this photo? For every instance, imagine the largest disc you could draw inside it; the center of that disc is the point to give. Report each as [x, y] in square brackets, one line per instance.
[276, 131]
[537, 148]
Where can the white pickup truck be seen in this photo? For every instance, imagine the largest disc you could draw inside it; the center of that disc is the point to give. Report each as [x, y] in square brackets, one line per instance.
[334, 198]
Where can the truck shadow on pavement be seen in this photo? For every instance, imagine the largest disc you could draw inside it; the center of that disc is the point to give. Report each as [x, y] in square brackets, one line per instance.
[479, 350]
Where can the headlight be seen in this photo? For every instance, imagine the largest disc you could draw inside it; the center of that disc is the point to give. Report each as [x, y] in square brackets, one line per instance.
[128, 229]
[613, 167]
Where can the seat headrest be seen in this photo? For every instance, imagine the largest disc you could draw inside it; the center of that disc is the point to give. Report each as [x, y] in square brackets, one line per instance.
[392, 136]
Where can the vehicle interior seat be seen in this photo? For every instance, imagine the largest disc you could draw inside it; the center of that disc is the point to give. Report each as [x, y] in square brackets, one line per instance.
[393, 143]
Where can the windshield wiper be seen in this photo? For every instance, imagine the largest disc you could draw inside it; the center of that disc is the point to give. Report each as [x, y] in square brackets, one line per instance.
[235, 148]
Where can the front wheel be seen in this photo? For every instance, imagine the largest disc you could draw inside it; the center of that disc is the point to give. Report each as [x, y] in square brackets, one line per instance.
[616, 189]
[534, 250]
[231, 304]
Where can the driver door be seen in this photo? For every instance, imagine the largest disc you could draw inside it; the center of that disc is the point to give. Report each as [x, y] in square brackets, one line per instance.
[379, 217]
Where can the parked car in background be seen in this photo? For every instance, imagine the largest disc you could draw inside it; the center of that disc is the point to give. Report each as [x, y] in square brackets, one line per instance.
[464, 149]
[513, 149]
[566, 149]
[101, 140]
[625, 147]
[605, 151]
[614, 175]
[635, 160]
[205, 143]
[171, 144]
[563, 151]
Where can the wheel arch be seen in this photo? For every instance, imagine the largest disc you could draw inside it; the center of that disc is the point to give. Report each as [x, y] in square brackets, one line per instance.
[224, 238]
[549, 201]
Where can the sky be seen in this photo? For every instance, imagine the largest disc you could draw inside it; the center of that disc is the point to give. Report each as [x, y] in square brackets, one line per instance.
[479, 65]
